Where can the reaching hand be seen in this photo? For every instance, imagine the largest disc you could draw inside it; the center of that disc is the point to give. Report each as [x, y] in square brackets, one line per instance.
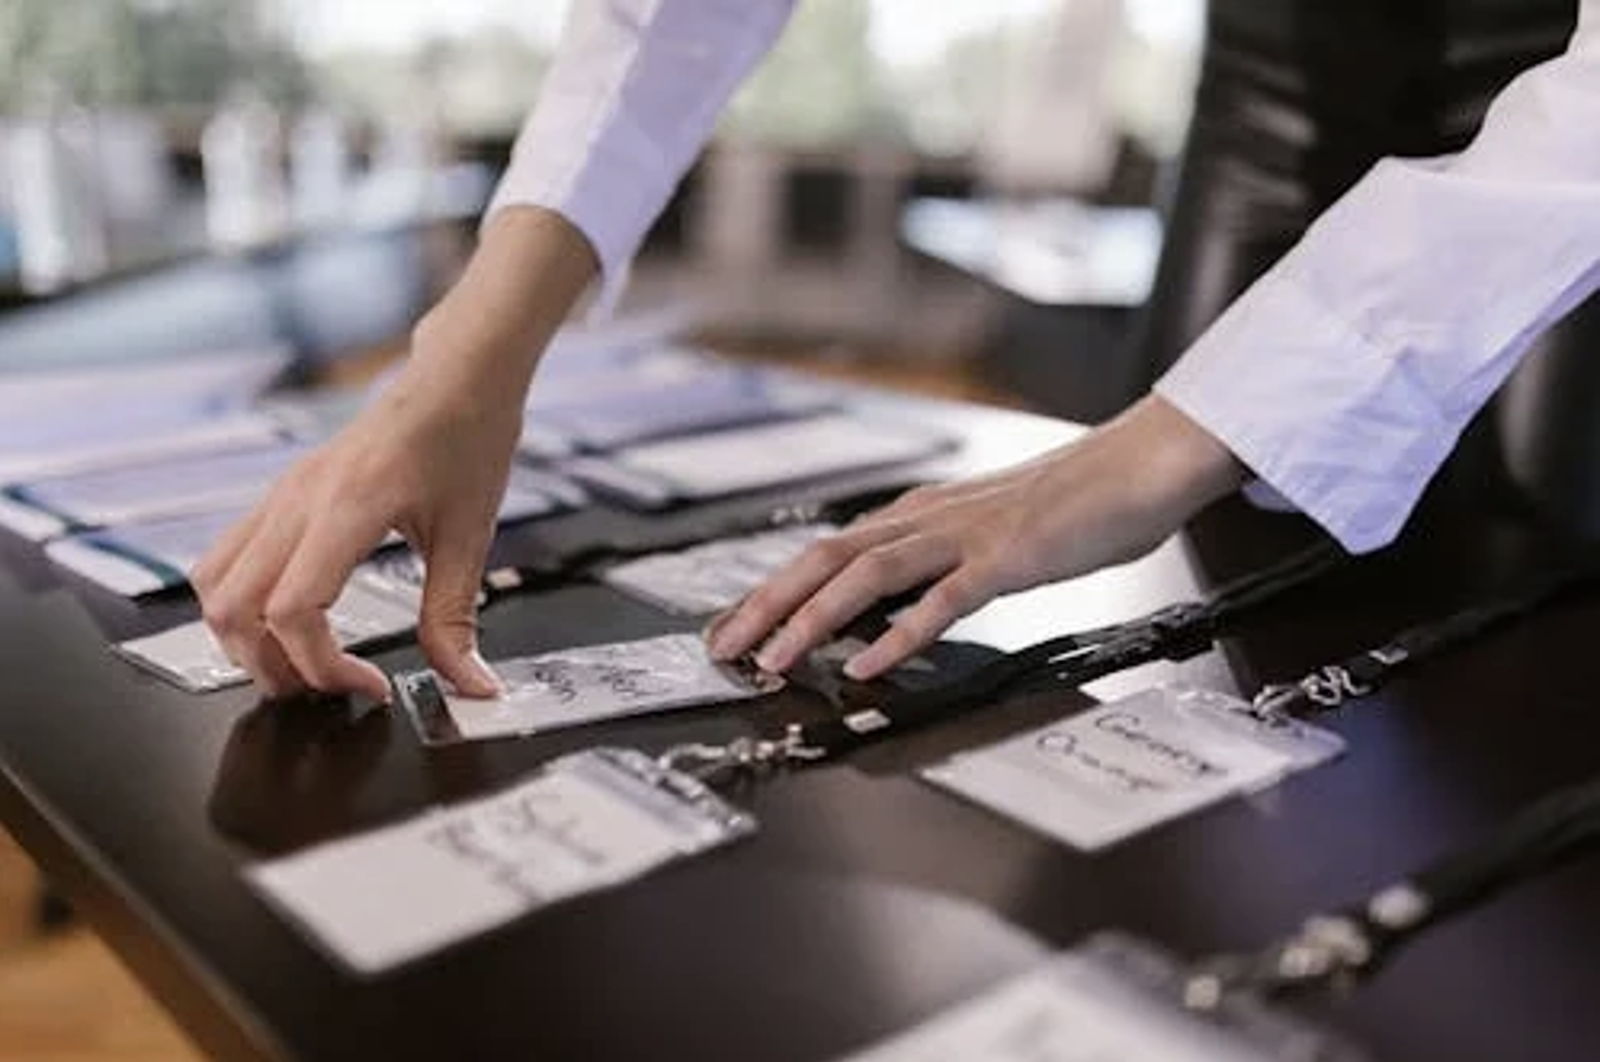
[426, 461]
[429, 460]
[1108, 498]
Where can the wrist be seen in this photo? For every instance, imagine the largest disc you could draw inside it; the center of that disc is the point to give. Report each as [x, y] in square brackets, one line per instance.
[1181, 467]
[530, 268]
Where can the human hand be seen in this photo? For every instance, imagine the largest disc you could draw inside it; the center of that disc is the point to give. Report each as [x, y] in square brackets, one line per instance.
[429, 460]
[1105, 499]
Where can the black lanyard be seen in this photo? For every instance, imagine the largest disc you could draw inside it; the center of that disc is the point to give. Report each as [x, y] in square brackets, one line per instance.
[1176, 632]
[1328, 687]
[1341, 947]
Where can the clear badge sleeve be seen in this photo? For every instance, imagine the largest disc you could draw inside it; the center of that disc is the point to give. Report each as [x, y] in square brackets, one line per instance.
[586, 821]
[381, 601]
[708, 578]
[1126, 767]
[1114, 999]
[716, 464]
[573, 687]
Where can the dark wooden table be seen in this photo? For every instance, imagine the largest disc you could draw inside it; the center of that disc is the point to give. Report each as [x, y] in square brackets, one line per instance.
[868, 900]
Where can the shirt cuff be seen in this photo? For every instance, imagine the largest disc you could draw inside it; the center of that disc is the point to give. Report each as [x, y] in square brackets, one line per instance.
[605, 199]
[1323, 416]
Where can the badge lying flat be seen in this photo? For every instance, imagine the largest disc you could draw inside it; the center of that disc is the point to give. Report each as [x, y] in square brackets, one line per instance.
[1112, 1000]
[583, 822]
[571, 687]
[1126, 767]
[713, 576]
[380, 601]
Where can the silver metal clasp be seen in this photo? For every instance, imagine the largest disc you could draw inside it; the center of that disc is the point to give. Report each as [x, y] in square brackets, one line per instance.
[1328, 950]
[1327, 688]
[741, 755]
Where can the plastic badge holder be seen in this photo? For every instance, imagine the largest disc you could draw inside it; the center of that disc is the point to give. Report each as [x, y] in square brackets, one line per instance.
[145, 492]
[586, 821]
[1114, 999]
[717, 464]
[713, 576]
[573, 687]
[1118, 770]
[380, 601]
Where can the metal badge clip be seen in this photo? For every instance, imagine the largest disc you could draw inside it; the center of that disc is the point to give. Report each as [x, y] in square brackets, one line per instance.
[1328, 950]
[746, 754]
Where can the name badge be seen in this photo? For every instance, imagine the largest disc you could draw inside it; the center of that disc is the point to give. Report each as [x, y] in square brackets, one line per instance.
[1113, 1000]
[1125, 767]
[380, 601]
[571, 687]
[714, 575]
[584, 822]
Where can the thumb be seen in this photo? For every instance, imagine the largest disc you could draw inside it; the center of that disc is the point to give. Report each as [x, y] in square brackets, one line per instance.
[448, 627]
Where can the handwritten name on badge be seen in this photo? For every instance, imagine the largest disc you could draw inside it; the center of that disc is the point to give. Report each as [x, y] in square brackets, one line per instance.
[1121, 769]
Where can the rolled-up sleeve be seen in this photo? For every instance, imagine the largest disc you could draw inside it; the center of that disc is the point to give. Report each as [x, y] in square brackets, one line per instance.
[1344, 377]
[632, 97]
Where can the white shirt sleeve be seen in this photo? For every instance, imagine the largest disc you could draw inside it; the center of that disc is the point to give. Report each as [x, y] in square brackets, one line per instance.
[1345, 375]
[633, 96]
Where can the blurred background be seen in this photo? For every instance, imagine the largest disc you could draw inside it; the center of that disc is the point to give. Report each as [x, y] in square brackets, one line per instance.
[904, 180]
[957, 196]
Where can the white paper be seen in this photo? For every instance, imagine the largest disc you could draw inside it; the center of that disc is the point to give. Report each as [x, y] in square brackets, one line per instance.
[744, 459]
[591, 683]
[712, 576]
[220, 380]
[167, 488]
[1123, 768]
[151, 555]
[98, 442]
[1070, 1011]
[392, 895]
[716, 397]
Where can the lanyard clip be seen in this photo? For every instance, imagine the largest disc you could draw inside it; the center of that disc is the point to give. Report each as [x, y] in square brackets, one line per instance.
[746, 754]
[1327, 688]
[1329, 950]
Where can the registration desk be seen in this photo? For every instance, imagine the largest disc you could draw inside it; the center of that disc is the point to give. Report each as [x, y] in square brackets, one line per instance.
[867, 900]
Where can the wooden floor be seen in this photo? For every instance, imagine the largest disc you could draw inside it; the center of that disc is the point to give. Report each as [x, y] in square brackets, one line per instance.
[64, 997]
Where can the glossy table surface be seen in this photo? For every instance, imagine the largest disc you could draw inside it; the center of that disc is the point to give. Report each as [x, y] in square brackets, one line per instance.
[867, 900]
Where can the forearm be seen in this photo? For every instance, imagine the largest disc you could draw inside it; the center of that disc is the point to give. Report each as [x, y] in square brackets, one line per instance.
[487, 333]
[634, 93]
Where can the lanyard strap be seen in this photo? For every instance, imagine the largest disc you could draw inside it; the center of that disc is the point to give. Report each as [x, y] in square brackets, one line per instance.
[1175, 632]
[1340, 948]
[1329, 686]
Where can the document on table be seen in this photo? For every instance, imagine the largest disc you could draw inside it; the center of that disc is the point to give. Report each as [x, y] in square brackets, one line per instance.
[712, 576]
[56, 423]
[48, 507]
[741, 459]
[148, 556]
[220, 380]
[716, 396]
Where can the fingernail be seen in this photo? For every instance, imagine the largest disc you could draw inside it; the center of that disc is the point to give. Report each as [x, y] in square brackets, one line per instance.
[857, 667]
[487, 673]
[774, 656]
[716, 637]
